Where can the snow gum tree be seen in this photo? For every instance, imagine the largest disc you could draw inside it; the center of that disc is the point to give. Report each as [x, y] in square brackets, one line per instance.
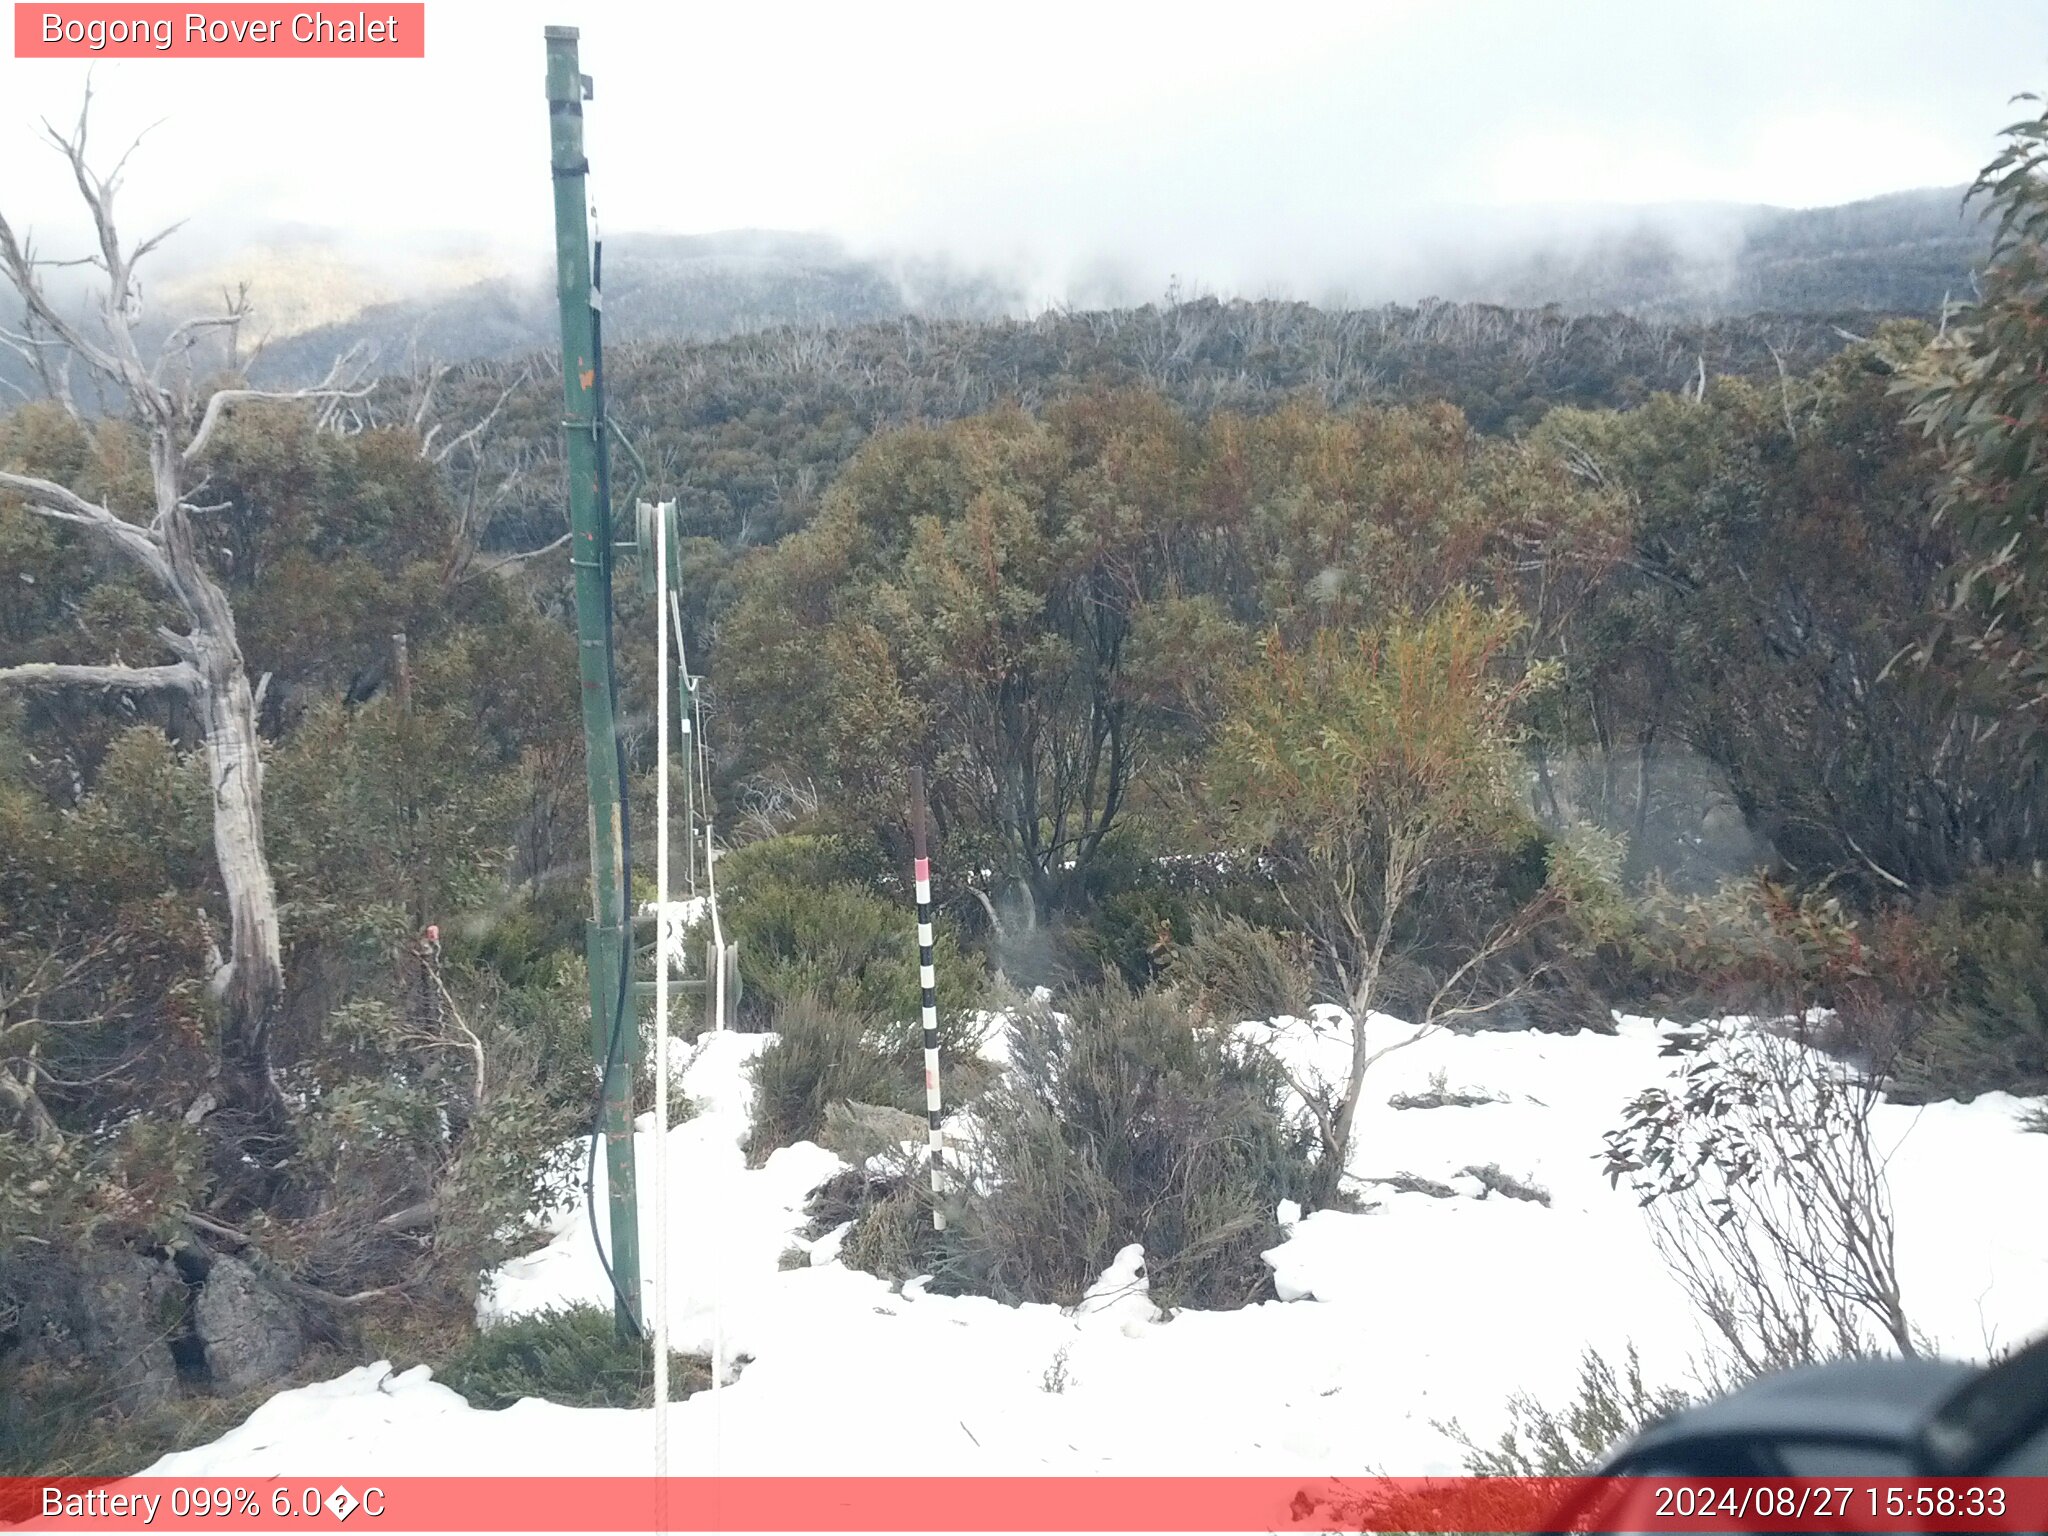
[1360, 766]
[178, 415]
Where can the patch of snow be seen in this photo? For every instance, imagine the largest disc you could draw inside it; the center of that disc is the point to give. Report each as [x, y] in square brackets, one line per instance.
[1425, 1309]
[678, 920]
[1121, 1296]
[826, 1249]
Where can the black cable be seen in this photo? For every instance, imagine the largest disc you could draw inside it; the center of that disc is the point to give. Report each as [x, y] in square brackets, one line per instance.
[616, 1035]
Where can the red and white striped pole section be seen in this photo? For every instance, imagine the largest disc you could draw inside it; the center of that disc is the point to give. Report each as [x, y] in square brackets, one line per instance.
[928, 983]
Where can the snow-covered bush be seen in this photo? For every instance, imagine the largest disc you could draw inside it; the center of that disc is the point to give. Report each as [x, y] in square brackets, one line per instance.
[1129, 1120]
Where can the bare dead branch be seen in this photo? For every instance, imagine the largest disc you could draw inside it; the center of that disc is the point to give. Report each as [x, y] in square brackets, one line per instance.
[48, 499]
[19, 263]
[185, 334]
[155, 240]
[491, 568]
[482, 425]
[1784, 391]
[329, 389]
[50, 674]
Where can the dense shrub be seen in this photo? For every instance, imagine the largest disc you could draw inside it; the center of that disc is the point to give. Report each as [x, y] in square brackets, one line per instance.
[796, 858]
[820, 1056]
[1130, 1121]
[1119, 917]
[892, 1236]
[1240, 971]
[805, 928]
[1129, 936]
[573, 1357]
[1989, 1025]
[824, 1054]
[524, 940]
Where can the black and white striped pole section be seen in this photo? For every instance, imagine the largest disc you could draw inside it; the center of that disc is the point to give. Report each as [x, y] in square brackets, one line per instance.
[928, 983]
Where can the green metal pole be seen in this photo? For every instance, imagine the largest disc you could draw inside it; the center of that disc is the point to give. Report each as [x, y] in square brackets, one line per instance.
[608, 940]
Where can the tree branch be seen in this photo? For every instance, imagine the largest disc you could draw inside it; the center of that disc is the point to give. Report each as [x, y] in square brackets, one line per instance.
[52, 674]
[19, 263]
[511, 560]
[442, 454]
[328, 388]
[51, 500]
[186, 333]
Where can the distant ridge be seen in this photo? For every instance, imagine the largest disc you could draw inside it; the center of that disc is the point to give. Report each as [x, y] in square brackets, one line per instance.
[1903, 253]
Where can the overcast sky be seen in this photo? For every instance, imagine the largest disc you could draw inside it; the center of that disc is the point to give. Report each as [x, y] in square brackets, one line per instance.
[1240, 145]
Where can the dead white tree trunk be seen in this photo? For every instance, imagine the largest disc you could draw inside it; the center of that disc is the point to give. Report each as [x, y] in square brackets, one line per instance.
[162, 540]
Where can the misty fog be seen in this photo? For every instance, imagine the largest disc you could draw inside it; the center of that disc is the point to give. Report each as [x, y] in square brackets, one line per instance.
[1067, 155]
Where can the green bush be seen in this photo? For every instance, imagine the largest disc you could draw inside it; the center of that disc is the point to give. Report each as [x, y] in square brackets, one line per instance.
[1130, 1121]
[1989, 1029]
[1240, 971]
[824, 1054]
[573, 1356]
[525, 940]
[805, 928]
[1120, 916]
[796, 858]
[821, 1054]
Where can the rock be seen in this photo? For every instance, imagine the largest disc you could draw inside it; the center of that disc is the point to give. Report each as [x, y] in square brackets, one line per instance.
[861, 1133]
[98, 1313]
[250, 1333]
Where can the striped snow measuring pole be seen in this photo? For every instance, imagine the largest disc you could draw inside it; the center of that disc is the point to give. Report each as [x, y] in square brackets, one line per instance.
[928, 982]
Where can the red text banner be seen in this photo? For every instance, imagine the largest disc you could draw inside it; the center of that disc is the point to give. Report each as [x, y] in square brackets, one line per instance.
[226, 31]
[1051, 1504]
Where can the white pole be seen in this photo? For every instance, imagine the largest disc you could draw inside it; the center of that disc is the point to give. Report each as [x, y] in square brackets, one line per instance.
[717, 935]
[690, 775]
[661, 965]
[718, 1021]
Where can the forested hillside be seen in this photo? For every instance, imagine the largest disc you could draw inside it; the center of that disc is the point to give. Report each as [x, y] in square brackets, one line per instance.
[748, 432]
[1905, 254]
[1493, 668]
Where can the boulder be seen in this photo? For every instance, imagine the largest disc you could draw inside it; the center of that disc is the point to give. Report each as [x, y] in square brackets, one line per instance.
[100, 1312]
[250, 1332]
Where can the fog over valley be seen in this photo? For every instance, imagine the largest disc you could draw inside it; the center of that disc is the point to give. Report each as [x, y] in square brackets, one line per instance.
[1597, 156]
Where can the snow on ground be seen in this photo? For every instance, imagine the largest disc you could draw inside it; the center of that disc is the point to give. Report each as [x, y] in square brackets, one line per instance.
[1422, 1309]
